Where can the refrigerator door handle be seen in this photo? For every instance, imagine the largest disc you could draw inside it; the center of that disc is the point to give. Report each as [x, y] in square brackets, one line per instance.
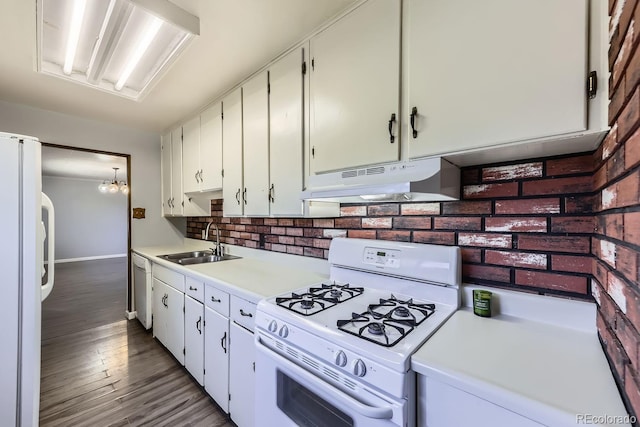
[51, 220]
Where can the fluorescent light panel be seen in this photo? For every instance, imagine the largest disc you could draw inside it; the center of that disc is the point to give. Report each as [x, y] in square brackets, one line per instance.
[74, 34]
[120, 46]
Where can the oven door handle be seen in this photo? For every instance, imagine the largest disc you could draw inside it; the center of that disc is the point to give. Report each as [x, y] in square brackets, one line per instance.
[329, 393]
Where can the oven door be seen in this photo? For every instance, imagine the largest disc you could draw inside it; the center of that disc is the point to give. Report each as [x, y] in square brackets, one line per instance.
[288, 395]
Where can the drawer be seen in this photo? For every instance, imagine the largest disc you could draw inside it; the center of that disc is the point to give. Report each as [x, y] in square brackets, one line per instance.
[243, 312]
[217, 300]
[170, 277]
[194, 288]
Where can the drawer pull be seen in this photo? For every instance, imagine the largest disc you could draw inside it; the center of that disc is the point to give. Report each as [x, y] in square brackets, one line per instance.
[242, 312]
[214, 299]
[191, 288]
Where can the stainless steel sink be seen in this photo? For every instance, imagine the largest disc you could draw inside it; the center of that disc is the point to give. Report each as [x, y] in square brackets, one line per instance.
[196, 257]
[205, 259]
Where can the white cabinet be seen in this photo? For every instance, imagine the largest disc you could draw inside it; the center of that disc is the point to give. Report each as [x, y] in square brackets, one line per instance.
[491, 72]
[168, 318]
[232, 184]
[242, 376]
[172, 193]
[255, 126]
[354, 89]
[194, 338]
[202, 151]
[216, 364]
[439, 406]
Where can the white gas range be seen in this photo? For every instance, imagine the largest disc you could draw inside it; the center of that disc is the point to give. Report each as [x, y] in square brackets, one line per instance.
[338, 354]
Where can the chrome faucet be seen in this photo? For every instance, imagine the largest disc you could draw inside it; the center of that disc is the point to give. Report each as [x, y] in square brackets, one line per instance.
[218, 250]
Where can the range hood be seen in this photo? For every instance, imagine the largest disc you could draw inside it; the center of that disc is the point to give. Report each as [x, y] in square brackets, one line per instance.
[433, 179]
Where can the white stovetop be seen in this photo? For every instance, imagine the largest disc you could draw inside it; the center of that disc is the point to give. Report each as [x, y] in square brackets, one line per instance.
[546, 372]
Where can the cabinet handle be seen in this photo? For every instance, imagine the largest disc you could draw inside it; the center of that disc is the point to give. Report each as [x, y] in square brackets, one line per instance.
[244, 195]
[200, 174]
[238, 196]
[164, 300]
[271, 191]
[213, 299]
[191, 288]
[198, 325]
[223, 342]
[197, 177]
[414, 113]
[242, 312]
[392, 120]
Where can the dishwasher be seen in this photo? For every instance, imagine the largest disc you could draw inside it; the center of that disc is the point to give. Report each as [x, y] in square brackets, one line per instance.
[142, 283]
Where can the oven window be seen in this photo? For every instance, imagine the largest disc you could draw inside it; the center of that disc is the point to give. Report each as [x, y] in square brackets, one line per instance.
[305, 408]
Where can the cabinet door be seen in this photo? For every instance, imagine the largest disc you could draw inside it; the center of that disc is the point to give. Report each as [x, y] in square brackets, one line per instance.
[159, 311]
[255, 123]
[177, 195]
[216, 362]
[175, 322]
[232, 154]
[355, 80]
[495, 71]
[286, 133]
[211, 147]
[242, 376]
[166, 174]
[191, 155]
[194, 338]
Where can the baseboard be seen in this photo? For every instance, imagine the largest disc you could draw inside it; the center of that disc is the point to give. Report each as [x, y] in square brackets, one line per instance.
[130, 315]
[88, 258]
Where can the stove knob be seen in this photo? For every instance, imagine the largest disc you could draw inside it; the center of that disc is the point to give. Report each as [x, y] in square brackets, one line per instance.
[359, 368]
[284, 332]
[273, 326]
[341, 358]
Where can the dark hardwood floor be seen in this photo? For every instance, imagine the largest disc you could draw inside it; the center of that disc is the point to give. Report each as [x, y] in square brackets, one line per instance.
[101, 370]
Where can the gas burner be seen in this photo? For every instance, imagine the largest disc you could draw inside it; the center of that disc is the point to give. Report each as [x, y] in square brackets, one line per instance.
[340, 292]
[402, 312]
[375, 328]
[306, 304]
[372, 327]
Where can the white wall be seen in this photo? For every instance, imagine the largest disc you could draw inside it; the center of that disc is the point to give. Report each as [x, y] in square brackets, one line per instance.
[144, 148]
[88, 223]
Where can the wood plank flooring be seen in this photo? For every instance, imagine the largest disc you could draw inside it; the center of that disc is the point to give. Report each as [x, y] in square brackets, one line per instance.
[97, 371]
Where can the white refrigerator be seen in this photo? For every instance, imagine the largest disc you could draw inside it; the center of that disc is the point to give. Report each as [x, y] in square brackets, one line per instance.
[21, 264]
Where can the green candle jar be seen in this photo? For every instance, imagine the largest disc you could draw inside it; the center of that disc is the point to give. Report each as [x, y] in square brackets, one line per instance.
[482, 303]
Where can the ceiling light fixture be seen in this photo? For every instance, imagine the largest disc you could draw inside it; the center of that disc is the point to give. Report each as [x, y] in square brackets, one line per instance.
[114, 186]
[118, 46]
[74, 34]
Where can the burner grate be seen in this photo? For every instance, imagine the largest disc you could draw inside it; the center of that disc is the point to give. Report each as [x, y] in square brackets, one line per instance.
[318, 299]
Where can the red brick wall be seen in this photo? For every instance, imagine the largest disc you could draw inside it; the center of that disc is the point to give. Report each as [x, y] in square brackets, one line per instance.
[616, 241]
[524, 225]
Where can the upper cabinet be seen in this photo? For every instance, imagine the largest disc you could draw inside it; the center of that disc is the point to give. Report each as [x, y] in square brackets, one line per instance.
[191, 155]
[354, 89]
[202, 151]
[491, 72]
[171, 153]
[232, 182]
[255, 126]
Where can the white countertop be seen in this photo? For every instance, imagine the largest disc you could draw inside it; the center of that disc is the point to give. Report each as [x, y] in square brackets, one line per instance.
[545, 372]
[257, 275]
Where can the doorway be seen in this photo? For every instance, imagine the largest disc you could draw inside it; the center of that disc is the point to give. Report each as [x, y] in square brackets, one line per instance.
[89, 190]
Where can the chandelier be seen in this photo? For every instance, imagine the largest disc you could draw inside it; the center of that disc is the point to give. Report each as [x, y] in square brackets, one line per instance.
[114, 186]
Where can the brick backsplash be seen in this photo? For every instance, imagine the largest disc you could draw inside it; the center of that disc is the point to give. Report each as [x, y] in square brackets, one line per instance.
[516, 228]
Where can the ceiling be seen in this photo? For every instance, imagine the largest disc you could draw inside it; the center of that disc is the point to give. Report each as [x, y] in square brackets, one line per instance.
[69, 163]
[236, 38]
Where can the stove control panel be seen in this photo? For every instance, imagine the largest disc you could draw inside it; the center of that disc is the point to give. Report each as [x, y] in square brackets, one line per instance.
[389, 258]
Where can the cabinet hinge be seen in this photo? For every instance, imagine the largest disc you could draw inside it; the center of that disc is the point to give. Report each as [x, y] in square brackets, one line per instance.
[592, 84]
[223, 173]
[222, 116]
[184, 351]
[304, 67]
[268, 87]
[313, 152]
[313, 64]
[229, 396]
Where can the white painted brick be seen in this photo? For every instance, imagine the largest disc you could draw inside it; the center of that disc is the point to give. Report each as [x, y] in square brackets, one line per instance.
[616, 292]
[608, 252]
[332, 232]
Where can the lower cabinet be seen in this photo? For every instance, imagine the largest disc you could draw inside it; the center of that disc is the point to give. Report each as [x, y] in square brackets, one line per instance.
[242, 376]
[168, 318]
[194, 338]
[216, 353]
